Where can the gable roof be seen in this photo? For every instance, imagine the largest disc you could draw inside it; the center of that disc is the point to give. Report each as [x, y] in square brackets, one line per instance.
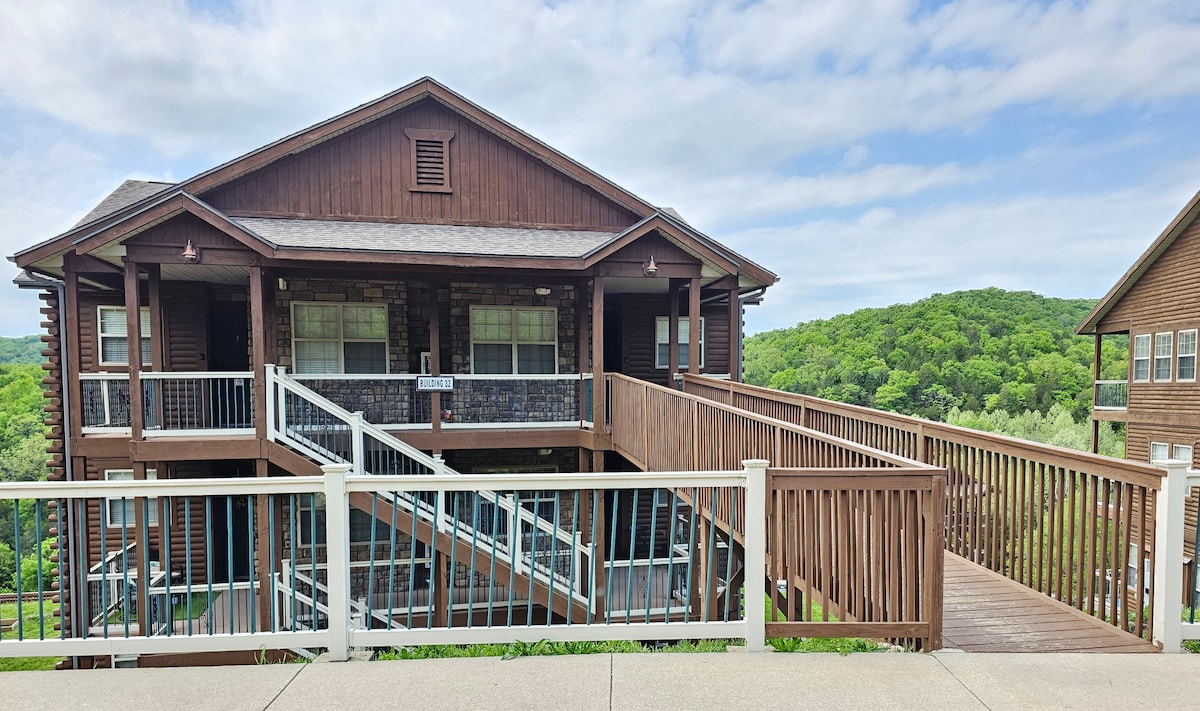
[1143, 263]
[133, 200]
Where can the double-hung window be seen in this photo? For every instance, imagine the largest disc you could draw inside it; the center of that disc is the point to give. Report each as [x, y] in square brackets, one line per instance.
[120, 512]
[114, 335]
[1141, 358]
[339, 338]
[662, 342]
[1162, 356]
[1185, 362]
[1159, 451]
[508, 339]
[1182, 452]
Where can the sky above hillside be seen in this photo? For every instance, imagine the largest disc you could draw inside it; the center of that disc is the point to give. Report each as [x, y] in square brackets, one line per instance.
[867, 151]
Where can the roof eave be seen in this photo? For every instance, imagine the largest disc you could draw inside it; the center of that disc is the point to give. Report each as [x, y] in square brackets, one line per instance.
[1164, 240]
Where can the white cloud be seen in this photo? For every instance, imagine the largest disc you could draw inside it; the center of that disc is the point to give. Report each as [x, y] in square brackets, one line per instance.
[1075, 246]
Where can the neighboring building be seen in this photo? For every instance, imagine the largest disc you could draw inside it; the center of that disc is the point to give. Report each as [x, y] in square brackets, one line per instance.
[1156, 305]
[416, 234]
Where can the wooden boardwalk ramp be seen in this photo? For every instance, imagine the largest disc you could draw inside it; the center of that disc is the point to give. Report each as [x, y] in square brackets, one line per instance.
[986, 612]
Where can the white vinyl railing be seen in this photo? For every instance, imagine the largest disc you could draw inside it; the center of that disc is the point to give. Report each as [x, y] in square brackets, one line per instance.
[197, 403]
[105, 402]
[340, 615]
[1171, 584]
[329, 434]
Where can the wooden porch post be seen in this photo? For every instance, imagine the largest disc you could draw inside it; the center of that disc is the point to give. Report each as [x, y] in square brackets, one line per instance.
[695, 352]
[582, 354]
[154, 291]
[72, 363]
[258, 352]
[672, 332]
[1095, 388]
[141, 558]
[263, 534]
[133, 330]
[435, 356]
[598, 384]
[735, 335]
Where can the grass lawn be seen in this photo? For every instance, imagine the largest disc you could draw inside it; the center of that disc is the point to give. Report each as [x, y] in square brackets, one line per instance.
[31, 628]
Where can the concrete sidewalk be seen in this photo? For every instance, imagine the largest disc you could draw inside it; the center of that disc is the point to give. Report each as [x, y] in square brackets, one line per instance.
[944, 680]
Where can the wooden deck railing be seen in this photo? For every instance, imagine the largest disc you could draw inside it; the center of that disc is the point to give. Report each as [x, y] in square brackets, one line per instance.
[1075, 526]
[855, 534]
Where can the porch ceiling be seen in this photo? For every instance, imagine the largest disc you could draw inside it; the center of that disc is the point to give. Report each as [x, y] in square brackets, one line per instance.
[210, 273]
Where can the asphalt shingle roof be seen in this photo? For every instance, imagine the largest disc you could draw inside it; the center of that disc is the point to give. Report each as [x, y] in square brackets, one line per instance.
[428, 239]
[126, 194]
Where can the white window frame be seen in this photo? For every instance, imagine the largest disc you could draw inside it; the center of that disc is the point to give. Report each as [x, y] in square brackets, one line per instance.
[341, 339]
[683, 336]
[1142, 344]
[1181, 354]
[1164, 347]
[129, 510]
[1182, 452]
[1163, 447]
[124, 333]
[515, 342]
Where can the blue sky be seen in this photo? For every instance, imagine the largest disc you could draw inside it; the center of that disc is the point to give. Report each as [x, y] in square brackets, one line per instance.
[868, 151]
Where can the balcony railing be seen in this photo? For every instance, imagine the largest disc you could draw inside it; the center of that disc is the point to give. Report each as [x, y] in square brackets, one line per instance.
[105, 402]
[197, 402]
[1111, 395]
[393, 401]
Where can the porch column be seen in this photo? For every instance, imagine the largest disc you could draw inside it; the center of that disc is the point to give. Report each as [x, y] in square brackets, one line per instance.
[1096, 379]
[435, 358]
[672, 332]
[581, 354]
[72, 360]
[695, 353]
[154, 291]
[599, 388]
[133, 330]
[735, 335]
[141, 557]
[258, 351]
[264, 532]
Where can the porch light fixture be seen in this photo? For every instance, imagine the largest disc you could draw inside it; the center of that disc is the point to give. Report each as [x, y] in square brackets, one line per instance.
[651, 268]
[190, 254]
[281, 283]
[542, 291]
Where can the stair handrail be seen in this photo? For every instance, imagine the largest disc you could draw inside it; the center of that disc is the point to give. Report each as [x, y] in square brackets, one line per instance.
[277, 382]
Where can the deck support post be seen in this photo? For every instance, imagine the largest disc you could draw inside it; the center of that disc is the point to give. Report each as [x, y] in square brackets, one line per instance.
[133, 330]
[599, 386]
[435, 357]
[258, 351]
[1170, 508]
[755, 552]
[337, 537]
[695, 349]
[735, 336]
[672, 333]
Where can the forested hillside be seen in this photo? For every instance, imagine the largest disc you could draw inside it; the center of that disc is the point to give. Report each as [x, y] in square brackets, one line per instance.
[22, 458]
[984, 350]
[26, 349]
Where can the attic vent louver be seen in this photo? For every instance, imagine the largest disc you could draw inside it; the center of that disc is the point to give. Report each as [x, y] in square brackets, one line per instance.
[430, 160]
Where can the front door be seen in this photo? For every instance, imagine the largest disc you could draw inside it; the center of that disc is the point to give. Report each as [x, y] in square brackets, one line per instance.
[228, 335]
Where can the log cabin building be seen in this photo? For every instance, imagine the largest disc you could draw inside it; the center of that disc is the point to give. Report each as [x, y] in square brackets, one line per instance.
[416, 260]
[1156, 307]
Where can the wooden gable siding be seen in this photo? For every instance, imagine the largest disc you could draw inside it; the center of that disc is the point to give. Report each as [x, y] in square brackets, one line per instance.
[366, 173]
[1168, 293]
[176, 232]
[638, 312]
[653, 245]
[1166, 298]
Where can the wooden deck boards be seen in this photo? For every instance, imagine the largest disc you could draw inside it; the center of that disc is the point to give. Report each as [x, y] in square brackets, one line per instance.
[986, 612]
